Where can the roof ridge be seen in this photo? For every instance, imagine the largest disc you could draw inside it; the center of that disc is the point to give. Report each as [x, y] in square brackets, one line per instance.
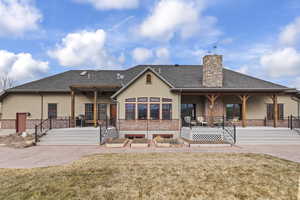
[249, 76]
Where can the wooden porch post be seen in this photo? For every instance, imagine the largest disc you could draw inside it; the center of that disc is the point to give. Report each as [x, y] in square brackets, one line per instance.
[72, 105]
[95, 107]
[275, 107]
[212, 100]
[244, 99]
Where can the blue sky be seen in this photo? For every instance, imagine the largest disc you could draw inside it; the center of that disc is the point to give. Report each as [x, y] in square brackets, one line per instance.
[43, 37]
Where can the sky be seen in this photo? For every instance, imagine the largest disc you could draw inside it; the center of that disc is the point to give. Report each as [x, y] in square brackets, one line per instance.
[39, 38]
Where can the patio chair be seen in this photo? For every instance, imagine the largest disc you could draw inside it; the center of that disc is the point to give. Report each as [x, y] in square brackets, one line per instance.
[201, 121]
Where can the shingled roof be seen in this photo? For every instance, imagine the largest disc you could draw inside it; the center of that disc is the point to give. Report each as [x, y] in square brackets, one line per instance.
[179, 76]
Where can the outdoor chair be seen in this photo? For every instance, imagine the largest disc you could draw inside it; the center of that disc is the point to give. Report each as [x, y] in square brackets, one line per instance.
[218, 122]
[201, 121]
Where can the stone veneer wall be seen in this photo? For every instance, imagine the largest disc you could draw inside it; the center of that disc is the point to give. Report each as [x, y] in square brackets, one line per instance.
[212, 71]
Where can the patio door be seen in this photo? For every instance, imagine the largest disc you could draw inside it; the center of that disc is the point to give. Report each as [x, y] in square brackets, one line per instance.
[113, 114]
[21, 122]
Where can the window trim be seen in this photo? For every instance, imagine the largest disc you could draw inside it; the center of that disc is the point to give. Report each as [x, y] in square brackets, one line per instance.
[152, 104]
[162, 111]
[138, 111]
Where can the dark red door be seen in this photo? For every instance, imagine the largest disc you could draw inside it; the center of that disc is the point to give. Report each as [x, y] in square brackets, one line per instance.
[113, 114]
[21, 122]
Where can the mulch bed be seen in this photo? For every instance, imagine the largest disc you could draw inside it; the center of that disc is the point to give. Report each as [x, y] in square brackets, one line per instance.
[16, 141]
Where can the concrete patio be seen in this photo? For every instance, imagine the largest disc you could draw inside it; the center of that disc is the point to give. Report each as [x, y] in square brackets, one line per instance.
[44, 156]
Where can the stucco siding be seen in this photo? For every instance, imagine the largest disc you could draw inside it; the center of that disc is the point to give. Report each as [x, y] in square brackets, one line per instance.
[32, 103]
[15, 103]
[140, 89]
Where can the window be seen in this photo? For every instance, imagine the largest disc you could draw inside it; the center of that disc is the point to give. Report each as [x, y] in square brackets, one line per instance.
[234, 111]
[130, 100]
[188, 110]
[148, 79]
[130, 111]
[154, 99]
[89, 111]
[270, 111]
[102, 111]
[166, 100]
[154, 111]
[142, 111]
[142, 99]
[52, 110]
[167, 111]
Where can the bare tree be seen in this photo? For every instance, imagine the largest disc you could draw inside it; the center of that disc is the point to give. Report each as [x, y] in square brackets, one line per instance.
[6, 82]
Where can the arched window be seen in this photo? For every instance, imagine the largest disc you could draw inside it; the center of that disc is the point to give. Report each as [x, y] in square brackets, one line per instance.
[148, 79]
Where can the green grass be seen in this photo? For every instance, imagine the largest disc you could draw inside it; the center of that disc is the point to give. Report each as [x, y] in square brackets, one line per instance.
[157, 176]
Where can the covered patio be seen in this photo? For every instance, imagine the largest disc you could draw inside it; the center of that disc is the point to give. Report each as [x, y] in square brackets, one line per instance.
[241, 108]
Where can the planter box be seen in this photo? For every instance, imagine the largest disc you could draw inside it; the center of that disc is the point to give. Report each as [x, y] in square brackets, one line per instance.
[139, 145]
[163, 144]
[116, 145]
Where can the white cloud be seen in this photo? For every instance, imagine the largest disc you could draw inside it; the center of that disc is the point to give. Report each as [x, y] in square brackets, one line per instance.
[112, 4]
[296, 83]
[282, 63]
[183, 16]
[162, 55]
[141, 55]
[22, 66]
[290, 35]
[84, 49]
[244, 69]
[18, 17]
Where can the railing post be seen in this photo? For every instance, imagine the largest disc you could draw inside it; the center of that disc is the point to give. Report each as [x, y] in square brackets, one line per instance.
[223, 124]
[100, 134]
[234, 134]
[288, 121]
[50, 121]
[36, 134]
[291, 122]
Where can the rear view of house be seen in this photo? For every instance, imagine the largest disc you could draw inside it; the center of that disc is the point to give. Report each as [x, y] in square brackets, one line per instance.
[150, 100]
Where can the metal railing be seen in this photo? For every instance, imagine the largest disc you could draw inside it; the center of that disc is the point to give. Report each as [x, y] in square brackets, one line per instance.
[294, 123]
[42, 128]
[229, 130]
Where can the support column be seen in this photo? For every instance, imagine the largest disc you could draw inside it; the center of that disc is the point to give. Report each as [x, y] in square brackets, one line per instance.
[275, 107]
[212, 100]
[244, 99]
[72, 105]
[95, 108]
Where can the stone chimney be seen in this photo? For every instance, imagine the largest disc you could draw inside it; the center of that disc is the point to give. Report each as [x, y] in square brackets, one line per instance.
[212, 71]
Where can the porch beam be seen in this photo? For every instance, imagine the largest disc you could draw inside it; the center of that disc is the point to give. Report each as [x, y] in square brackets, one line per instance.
[275, 107]
[95, 107]
[244, 99]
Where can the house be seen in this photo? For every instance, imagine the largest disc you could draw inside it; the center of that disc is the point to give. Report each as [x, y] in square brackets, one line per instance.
[151, 99]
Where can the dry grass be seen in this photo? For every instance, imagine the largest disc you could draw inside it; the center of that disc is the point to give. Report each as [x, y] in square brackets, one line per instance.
[199, 176]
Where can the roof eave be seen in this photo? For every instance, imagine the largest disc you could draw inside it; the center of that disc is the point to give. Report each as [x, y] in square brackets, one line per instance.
[287, 90]
[139, 75]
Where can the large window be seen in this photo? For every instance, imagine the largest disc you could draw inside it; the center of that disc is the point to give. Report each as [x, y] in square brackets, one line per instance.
[102, 111]
[130, 111]
[234, 111]
[52, 110]
[167, 111]
[270, 111]
[154, 111]
[142, 111]
[89, 111]
[188, 110]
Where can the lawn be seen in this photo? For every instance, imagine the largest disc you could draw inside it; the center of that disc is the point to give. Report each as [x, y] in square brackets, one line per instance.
[199, 176]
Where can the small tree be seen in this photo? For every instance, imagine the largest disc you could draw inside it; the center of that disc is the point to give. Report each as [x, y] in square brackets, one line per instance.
[6, 82]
